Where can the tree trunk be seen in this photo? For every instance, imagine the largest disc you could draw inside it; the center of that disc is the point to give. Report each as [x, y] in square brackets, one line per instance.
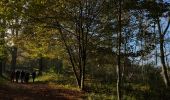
[119, 54]
[81, 46]
[40, 65]
[14, 58]
[1, 67]
[2, 43]
[164, 67]
[162, 57]
[166, 57]
[14, 48]
[70, 56]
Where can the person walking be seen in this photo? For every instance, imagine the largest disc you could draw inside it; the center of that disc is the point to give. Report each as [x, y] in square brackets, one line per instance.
[17, 75]
[33, 75]
[22, 76]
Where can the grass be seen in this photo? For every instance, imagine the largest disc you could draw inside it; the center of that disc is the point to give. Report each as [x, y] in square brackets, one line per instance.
[57, 80]
[68, 82]
[94, 96]
[95, 90]
[47, 77]
[101, 91]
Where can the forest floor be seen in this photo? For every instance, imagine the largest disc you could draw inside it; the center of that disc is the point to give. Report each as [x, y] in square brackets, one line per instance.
[37, 91]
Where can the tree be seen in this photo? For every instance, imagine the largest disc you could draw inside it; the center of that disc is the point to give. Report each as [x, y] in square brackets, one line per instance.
[12, 17]
[119, 35]
[2, 47]
[76, 27]
[161, 11]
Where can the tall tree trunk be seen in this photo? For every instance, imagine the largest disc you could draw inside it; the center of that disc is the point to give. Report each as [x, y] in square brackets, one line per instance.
[2, 43]
[40, 65]
[119, 54]
[155, 36]
[1, 67]
[70, 56]
[84, 55]
[83, 75]
[14, 58]
[14, 48]
[82, 45]
[166, 56]
[162, 57]
[164, 67]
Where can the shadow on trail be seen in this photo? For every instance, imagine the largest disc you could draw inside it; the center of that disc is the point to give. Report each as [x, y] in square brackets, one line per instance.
[37, 91]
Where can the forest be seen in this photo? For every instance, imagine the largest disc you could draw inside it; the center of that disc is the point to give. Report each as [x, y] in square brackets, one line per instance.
[85, 49]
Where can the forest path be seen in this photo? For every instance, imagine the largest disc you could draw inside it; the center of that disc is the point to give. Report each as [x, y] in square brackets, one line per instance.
[37, 91]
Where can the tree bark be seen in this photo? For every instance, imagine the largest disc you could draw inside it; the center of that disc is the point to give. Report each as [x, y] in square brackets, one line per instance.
[162, 57]
[70, 56]
[1, 67]
[2, 43]
[164, 67]
[40, 65]
[14, 48]
[14, 58]
[119, 54]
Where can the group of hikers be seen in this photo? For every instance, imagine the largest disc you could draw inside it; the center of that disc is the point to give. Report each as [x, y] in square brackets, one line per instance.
[22, 75]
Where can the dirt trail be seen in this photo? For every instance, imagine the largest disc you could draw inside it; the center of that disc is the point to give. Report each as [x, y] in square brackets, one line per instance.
[14, 91]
